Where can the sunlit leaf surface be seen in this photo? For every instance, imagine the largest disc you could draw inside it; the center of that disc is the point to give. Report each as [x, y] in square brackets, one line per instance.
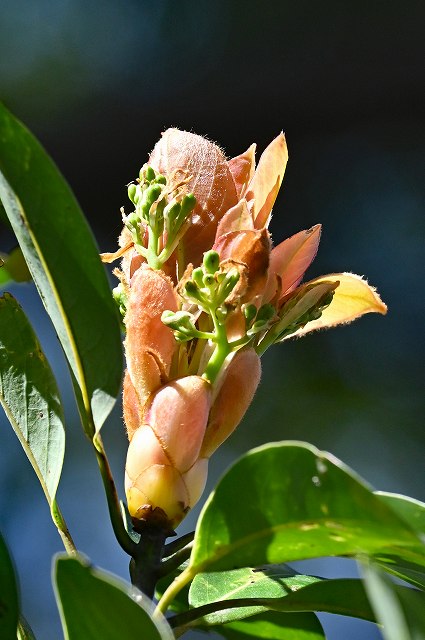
[29, 395]
[63, 259]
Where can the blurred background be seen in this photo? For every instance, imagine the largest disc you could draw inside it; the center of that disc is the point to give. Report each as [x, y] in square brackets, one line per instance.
[97, 81]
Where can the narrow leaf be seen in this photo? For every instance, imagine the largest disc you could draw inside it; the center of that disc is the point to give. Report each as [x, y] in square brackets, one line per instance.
[288, 501]
[401, 611]
[29, 395]
[94, 604]
[63, 260]
[274, 625]
[9, 602]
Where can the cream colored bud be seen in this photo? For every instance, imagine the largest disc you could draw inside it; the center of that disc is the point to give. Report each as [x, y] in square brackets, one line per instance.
[155, 489]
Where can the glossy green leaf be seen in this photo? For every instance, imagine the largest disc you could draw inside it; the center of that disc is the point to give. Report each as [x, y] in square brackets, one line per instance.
[273, 625]
[13, 267]
[401, 611]
[413, 513]
[63, 259]
[270, 588]
[409, 509]
[9, 601]
[29, 395]
[268, 582]
[288, 501]
[94, 604]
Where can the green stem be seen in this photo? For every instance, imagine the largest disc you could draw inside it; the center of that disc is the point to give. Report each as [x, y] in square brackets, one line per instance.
[221, 351]
[62, 527]
[121, 534]
[169, 594]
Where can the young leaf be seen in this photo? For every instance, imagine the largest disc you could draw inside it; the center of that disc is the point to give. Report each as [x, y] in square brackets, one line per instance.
[63, 260]
[288, 501]
[30, 397]
[273, 625]
[9, 601]
[401, 611]
[94, 604]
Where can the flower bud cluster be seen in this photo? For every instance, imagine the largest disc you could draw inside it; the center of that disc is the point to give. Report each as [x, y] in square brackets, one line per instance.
[203, 293]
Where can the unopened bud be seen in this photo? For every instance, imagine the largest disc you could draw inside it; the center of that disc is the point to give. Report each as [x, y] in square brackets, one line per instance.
[165, 475]
[211, 261]
[233, 399]
[132, 192]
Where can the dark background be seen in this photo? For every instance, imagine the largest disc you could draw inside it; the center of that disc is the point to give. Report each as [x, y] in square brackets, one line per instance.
[97, 82]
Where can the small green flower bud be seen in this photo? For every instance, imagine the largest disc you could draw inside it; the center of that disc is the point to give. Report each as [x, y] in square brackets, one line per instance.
[192, 289]
[249, 311]
[120, 298]
[222, 313]
[208, 280]
[160, 179]
[188, 204]
[198, 276]
[132, 192]
[149, 173]
[171, 213]
[132, 220]
[211, 261]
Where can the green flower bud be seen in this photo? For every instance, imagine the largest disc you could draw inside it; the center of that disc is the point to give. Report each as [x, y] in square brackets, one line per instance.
[249, 311]
[132, 193]
[208, 280]
[160, 179]
[191, 289]
[149, 173]
[198, 276]
[188, 204]
[211, 261]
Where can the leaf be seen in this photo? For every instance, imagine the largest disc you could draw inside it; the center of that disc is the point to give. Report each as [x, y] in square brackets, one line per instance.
[409, 509]
[271, 582]
[413, 513]
[273, 590]
[275, 626]
[288, 501]
[13, 267]
[94, 604]
[63, 260]
[9, 601]
[30, 397]
[353, 298]
[401, 611]
[268, 176]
